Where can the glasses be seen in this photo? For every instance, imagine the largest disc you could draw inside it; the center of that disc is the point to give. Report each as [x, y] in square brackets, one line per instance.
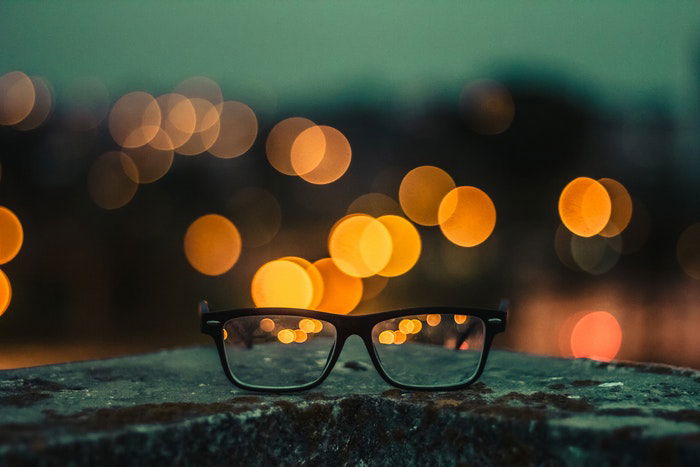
[285, 349]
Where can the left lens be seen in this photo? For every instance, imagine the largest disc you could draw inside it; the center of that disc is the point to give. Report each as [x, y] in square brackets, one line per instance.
[430, 350]
[278, 351]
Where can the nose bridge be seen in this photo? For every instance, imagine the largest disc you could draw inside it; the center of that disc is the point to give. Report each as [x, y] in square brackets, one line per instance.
[352, 326]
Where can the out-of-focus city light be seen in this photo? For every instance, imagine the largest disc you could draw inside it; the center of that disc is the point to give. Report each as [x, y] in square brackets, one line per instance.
[267, 325]
[341, 292]
[151, 163]
[225, 334]
[134, 119]
[417, 326]
[467, 216]
[286, 336]
[300, 336]
[307, 325]
[596, 335]
[11, 235]
[386, 337]
[399, 337]
[17, 97]
[374, 204]
[282, 283]
[406, 326]
[314, 276]
[688, 251]
[43, 104]
[321, 155]
[360, 245]
[212, 244]
[460, 319]
[421, 191]
[585, 207]
[278, 145]
[178, 121]
[487, 107]
[257, 214]
[318, 326]
[111, 180]
[372, 286]
[238, 130]
[406, 245]
[5, 293]
[433, 320]
[621, 207]
[207, 128]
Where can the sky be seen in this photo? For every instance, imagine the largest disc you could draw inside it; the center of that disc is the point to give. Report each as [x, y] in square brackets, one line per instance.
[624, 52]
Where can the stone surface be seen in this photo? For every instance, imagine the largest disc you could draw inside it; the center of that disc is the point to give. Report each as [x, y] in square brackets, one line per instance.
[176, 407]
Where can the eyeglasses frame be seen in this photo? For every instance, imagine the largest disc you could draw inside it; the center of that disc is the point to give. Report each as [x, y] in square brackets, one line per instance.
[212, 324]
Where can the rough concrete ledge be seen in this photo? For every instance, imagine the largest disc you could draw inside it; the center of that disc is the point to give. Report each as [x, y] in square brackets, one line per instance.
[176, 407]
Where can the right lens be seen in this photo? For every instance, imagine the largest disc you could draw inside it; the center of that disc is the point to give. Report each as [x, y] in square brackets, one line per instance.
[278, 351]
[430, 350]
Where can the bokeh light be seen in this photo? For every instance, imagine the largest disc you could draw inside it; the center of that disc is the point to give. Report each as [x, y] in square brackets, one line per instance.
[621, 207]
[487, 107]
[11, 235]
[341, 292]
[286, 336]
[207, 128]
[406, 326]
[314, 275]
[212, 244]
[257, 214]
[278, 145]
[417, 326]
[17, 96]
[267, 325]
[585, 207]
[433, 319]
[111, 180]
[374, 204]
[238, 130]
[399, 337]
[467, 216]
[460, 319]
[688, 251]
[282, 283]
[307, 325]
[596, 335]
[300, 336]
[151, 163]
[43, 104]
[421, 191]
[406, 245]
[360, 245]
[5, 293]
[386, 337]
[178, 121]
[134, 119]
[321, 155]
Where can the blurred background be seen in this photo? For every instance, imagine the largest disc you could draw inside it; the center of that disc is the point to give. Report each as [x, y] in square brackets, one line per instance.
[154, 154]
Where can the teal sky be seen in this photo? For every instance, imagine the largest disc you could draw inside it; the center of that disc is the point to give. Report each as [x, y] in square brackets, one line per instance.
[622, 51]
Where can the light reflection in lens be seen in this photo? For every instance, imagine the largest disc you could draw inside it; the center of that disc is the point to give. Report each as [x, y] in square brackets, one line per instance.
[286, 336]
[267, 325]
[433, 320]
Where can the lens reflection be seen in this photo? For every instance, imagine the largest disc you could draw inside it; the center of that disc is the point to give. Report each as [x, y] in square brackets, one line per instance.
[277, 351]
[437, 350]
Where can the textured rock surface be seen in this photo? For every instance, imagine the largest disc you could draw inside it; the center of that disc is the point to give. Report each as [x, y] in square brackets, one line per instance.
[176, 407]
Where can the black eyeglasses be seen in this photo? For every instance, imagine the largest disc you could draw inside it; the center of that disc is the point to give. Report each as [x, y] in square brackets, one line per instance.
[286, 349]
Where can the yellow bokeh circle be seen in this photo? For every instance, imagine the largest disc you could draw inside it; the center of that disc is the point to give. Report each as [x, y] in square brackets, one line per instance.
[360, 245]
[282, 283]
[467, 216]
[11, 235]
[212, 244]
[421, 191]
[406, 245]
[585, 207]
